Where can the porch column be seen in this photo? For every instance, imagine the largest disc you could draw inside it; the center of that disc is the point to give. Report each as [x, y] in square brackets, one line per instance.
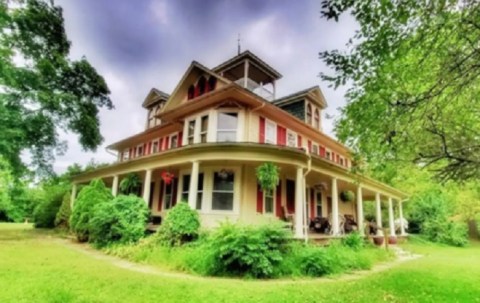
[360, 210]
[146, 185]
[400, 212]
[192, 189]
[390, 217]
[379, 214]
[335, 225]
[115, 186]
[73, 195]
[245, 79]
[299, 205]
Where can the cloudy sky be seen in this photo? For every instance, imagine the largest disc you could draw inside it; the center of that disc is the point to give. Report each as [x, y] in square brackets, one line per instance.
[137, 45]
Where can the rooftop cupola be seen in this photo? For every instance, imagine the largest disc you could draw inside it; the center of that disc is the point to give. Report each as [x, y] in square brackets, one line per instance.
[250, 72]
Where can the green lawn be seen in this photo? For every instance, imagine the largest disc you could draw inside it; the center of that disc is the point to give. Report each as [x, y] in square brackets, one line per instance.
[36, 267]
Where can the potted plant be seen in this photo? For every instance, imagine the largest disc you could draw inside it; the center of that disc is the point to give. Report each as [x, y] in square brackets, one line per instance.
[347, 196]
[130, 184]
[392, 240]
[378, 240]
[268, 176]
[167, 177]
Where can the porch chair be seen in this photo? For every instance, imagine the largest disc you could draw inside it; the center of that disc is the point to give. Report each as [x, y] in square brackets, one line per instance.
[289, 218]
[341, 223]
[350, 224]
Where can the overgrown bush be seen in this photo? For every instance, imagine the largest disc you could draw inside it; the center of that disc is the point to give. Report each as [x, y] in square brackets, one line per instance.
[91, 195]
[442, 230]
[247, 250]
[63, 215]
[181, 225]
[45, 212]
[353, 240]
[121, 220]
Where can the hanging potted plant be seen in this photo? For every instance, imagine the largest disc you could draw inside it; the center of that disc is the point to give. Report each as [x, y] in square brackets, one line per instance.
[268, 176]
[130, 184]
[167, 177]
[347, 196]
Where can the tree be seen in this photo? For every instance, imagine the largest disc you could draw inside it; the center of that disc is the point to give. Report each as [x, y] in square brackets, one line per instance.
[42, 90]
[414, 74]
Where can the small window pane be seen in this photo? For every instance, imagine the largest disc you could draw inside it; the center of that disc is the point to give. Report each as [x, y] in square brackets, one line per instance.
[227, 136]
[174, 142]
[227, 121]
[223, 181]
[222, 201]
[268, 201]
[222, 198]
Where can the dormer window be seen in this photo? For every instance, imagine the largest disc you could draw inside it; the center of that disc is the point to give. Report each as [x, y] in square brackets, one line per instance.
[309, 114]
[317, 119]
[212, 82]
[191, 92]
[202, 85]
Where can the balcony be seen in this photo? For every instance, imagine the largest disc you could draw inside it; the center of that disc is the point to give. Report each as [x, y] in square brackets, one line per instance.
[256, 88]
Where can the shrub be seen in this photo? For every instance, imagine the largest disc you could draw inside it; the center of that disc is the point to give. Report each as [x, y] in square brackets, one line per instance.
[444, 231]
[354, 240]
[248, 251]
[45, 212]
[121, 220]
[317, 262]
[63, 215]
[91, 195]
[180, 225]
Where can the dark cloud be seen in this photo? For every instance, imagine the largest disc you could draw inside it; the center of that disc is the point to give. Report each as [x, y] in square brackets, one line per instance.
[137, 45]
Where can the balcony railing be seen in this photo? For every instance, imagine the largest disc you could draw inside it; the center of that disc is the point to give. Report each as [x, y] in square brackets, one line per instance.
[256, 88]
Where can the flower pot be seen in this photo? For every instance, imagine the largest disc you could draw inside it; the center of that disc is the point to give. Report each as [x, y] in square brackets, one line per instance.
[378, 240]
[392, 240]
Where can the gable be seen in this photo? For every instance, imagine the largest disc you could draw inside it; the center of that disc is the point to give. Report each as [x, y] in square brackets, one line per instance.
[191, 78]
[153, 97]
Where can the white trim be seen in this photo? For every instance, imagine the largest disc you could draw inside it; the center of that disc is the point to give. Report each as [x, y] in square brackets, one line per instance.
[240, 123]
[274, 124]
[291, 132]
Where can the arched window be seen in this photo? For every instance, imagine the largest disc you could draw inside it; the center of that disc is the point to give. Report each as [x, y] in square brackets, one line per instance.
[309, 114]
[202, 85]
[191, 92]
[316, 119]
[212, 82]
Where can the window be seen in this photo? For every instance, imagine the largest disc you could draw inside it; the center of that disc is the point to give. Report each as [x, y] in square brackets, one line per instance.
[319, 204]
[203, 129]
[139, 150]
[317, 119]
[155, 147]
[309, 114]
[212, 82]
[191, 132]
[151, 117]
[174, 141]
[268, 202]
[191, 92]
[202, 85]
[222, 194]
[315, 149]
[341, 160]
[186, 189]
[227, 127]
[168, 196]
[291, 139]
[329, 155]
[270, 132]
[125, 155]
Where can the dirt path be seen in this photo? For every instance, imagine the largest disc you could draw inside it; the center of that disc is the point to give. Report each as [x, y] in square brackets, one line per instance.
[85, 249]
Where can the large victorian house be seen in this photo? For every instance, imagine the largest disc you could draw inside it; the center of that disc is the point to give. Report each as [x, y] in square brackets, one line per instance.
[203, 142]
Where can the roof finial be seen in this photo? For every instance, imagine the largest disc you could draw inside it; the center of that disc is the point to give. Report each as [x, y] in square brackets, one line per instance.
[238, 43]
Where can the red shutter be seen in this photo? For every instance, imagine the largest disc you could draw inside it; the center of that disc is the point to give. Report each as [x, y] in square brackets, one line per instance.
[299, 139]
[322, 151]
[281, 135]
[180, 137]
[174, 191]
[259, 199]
[165, 143]
[309, 146]
[261, 138]
[278, 200]
[160, 198]
[160, 144]
[149, 147]
[312, 204]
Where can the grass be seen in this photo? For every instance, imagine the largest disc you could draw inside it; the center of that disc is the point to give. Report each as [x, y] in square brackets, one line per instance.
[35, 267]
